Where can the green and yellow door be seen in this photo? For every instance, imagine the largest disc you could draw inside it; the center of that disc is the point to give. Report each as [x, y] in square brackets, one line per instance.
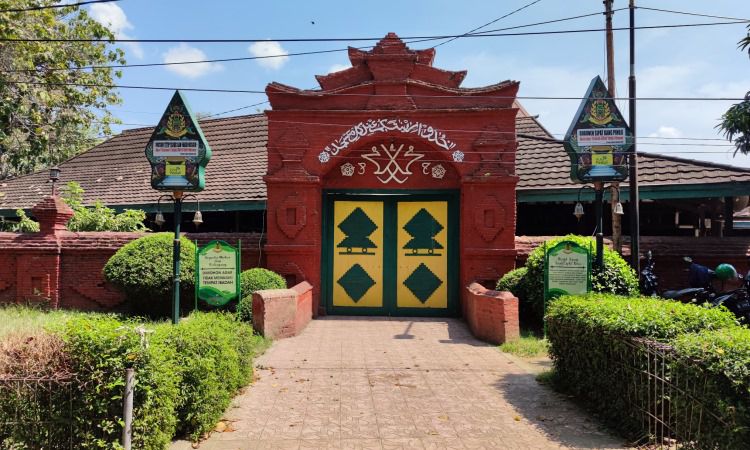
[391, 254]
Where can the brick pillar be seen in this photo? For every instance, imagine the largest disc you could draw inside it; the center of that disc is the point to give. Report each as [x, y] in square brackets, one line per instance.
[38, 263]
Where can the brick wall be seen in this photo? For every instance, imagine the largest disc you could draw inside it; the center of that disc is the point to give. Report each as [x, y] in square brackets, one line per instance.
[64, 268]
[492, 316]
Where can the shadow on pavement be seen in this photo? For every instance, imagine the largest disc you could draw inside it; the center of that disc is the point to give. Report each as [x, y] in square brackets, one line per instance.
[554, 414]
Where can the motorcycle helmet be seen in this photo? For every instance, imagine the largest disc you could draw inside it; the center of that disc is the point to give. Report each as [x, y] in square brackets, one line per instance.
[726, 272]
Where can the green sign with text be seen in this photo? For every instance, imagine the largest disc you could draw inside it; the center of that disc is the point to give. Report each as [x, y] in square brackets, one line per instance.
[567, 270]
[217, 272]
[177, 151]
[598, 141]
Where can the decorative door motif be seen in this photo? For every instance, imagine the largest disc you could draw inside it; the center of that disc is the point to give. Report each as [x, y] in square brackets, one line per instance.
[391, 256]
[358, 254]
[422, 257]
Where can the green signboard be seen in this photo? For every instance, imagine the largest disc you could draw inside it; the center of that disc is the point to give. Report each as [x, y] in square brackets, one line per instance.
[178, 151]
[598, 141]
[217, 273]
[567, 270]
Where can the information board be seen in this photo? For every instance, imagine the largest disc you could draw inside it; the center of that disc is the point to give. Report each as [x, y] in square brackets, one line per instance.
[567, 270]
[217, 270]
[598, 141]
[178, 151]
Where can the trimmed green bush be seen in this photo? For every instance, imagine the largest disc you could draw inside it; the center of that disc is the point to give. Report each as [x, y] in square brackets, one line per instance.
[185, 376]
[515, 282]
[101, 348]
[142, 270]
[725, 366]
[616, 278]
[212, 355]
[596, 359]
[256, 279]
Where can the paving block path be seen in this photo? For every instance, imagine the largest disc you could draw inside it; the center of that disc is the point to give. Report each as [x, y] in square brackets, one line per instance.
[393, 383]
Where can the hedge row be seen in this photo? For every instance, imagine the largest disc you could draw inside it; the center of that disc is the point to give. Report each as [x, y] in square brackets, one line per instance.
[186, 376]
[527, 283]
[591, 343]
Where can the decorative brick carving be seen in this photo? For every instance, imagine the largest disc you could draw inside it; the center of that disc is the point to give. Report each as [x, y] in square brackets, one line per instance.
[496, 150]
[285, 155]
[489, 218]
[291, 215]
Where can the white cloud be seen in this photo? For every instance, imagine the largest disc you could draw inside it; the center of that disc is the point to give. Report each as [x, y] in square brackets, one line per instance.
[269, 48]
[656, 118]
[666, 132]
[338, 68]
[183, 53]
[113, 17]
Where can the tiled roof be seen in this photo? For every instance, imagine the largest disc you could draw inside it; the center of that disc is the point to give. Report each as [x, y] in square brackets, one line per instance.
[543, 164]
[117, 172]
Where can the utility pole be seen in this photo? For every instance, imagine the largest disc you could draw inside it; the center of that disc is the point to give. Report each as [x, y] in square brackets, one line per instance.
[635, 230]
[614, 193]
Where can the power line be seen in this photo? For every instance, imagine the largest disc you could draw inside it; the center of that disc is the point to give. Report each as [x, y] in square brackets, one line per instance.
[689, 13]
[63, 5]
[489, 23]
[479, 97]
[478, 35]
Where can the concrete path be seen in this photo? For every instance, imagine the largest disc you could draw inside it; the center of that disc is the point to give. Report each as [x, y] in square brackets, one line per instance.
[383, 383]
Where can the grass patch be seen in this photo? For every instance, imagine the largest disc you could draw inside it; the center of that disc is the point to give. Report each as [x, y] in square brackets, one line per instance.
[26, 320]
[528, 346]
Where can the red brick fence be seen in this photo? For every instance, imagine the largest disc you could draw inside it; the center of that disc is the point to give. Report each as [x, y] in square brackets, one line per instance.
[64, 268]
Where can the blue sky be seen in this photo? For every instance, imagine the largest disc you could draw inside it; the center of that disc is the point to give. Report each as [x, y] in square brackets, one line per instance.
[678, 62]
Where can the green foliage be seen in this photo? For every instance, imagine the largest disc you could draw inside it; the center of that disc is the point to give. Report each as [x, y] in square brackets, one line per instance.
[41, 125]
[101, 348]
[256, 279]
[142, 270]
[616, 278]
[99, 217]
[213, 359]
[735, 123]
[24, 225]
[516, 282]
[185, 377]
[591, 336]
[648, 317]
[528, 346]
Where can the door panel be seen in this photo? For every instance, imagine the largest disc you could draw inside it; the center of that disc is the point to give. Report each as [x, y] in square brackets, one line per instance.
[422, 254]
[358, 254]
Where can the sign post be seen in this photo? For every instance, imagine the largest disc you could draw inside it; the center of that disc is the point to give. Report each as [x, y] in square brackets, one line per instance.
[217, 273]
[598, 143]
[567, 270]
[178, 153]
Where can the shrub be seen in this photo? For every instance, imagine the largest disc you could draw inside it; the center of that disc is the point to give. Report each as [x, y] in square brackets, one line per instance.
[142, 270]
[724, 357]
[99, 217]
[616, 278]
[101, 348]
[212, 354]
[256, 279]
[515, 282]
[596, 358]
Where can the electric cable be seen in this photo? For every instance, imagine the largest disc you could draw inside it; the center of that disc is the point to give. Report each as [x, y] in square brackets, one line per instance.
[62, 5]
[489, 23]
[321, 93]
[359, 39]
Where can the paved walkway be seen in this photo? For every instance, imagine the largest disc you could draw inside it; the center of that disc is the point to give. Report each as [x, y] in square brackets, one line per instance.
[382, 383]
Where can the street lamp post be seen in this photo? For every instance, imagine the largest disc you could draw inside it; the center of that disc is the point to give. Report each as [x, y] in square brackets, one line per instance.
[177, 198]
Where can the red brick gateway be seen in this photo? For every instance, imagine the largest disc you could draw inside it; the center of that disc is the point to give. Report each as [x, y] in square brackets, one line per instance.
[391, 158]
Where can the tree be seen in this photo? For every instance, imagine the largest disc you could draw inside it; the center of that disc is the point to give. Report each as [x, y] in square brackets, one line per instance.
[44, 119]
[735, 123]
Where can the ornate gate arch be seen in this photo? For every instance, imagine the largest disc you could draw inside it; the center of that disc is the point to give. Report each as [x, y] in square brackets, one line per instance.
[392, 124]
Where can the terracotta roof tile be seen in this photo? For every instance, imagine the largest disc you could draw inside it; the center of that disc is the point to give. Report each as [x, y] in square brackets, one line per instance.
[117, 172]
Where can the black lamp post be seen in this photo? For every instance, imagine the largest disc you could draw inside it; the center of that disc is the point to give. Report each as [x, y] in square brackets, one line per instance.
[599, 204]
[177, 198]
[54, 176]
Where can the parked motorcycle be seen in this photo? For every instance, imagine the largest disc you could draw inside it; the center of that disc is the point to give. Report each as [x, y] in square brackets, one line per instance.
[702, 280]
